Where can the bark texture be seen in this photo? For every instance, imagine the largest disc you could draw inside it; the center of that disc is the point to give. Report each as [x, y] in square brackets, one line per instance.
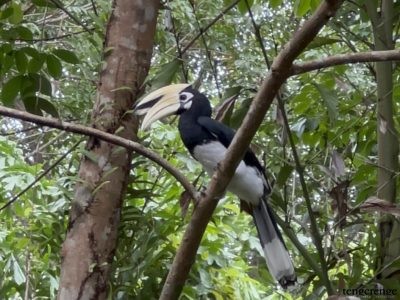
[91, 239]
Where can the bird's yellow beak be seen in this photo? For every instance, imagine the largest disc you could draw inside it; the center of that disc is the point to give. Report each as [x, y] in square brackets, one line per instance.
[159, 104]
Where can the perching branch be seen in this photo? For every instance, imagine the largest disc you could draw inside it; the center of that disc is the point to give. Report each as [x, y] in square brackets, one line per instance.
[279, 72]
[104, 136]
[348, 58]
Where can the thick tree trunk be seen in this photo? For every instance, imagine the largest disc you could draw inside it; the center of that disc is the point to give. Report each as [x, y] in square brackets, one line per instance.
[388, 147]
[90, 243]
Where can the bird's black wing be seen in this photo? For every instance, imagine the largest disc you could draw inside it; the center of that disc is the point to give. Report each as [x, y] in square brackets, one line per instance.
[225, 135]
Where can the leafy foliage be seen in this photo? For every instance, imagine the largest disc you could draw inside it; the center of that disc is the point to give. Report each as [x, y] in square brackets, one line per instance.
[49, 65]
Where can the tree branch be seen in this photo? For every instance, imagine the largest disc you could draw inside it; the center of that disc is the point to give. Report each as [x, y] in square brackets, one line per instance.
[348, 58]
[279, 72]
[104, 136]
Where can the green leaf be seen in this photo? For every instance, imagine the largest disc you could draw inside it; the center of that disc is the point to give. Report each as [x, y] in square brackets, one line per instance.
[32, 52]
[17, 14]
[10, 90]
[240, 112]
[37, 59]
[6, 13]
[320, 41]
[21, 61]
[35, 83]
[232, 91]
[2, 2]
[53, 66]
[330, 99]
[35, 64]
[314, 4]
[48, 107]
[7, 62]
[166, 74]
[24, 33]
[243, 6]
[284, 174]
[37, 105]
[275, 3]
[301, 7]
[6, 48]
[67, 56]
[18, 274]
[44, 3]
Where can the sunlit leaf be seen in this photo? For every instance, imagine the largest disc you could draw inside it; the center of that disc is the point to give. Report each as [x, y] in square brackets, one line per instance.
[17, 13]
[166, 74]
[302, 7]
[243, 5]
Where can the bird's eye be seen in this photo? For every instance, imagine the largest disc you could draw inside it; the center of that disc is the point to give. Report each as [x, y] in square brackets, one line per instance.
[183, 97]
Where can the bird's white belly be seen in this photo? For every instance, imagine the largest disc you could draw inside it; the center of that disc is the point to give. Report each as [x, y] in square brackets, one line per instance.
[247, 182]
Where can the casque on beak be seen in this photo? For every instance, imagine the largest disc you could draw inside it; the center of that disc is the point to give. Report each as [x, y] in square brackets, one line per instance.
[159, 104]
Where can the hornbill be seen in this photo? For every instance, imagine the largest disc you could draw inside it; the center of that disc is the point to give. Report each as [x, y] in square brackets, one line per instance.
[207, 141]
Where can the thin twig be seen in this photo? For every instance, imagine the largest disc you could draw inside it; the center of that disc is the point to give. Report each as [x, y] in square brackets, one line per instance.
[75, 19]
[94, 7]
[27, 275]
[257, 33]
[299, 245]
[5, 133]
[208, 53]
[208, 26]
[178, 45]
[37, 179]
[352, 33]
[313, 221]
[59, 37]
[104, 136]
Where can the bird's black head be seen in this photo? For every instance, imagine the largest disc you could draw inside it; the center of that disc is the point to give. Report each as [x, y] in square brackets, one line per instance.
[175, 99]
[192, 101]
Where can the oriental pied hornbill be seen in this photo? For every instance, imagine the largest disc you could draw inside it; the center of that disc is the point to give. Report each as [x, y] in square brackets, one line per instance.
[207, 141]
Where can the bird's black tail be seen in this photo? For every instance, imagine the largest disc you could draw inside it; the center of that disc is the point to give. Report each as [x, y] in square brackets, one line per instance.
[277, 256]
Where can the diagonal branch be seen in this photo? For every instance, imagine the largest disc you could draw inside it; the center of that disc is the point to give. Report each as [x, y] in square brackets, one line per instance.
[104, 136]
[279, 72]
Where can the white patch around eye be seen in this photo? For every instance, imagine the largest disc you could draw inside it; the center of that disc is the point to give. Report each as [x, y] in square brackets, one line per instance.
[187, 105]
[185, 99]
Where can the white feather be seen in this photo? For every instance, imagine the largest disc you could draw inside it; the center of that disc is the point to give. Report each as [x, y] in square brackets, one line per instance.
[247, 182]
